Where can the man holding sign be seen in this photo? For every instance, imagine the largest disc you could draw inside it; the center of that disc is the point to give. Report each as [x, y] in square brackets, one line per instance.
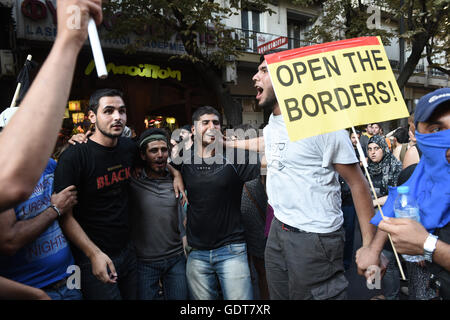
[314, 92]
[304, 252]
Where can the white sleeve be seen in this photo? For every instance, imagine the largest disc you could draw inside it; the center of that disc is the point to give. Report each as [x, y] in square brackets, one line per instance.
[336, 147]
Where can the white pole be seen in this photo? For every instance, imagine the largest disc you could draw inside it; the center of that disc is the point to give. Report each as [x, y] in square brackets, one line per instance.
[16, 94]
[97, 50]
[363, 159]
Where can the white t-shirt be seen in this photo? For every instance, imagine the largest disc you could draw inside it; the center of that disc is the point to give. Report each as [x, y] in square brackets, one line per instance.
[302, 185]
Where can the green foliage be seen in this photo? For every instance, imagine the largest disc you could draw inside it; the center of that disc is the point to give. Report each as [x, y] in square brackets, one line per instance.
[190, 20]
[426, 22]
[343, 20]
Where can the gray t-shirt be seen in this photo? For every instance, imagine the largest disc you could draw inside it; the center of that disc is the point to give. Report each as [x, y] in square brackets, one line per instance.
[156, 218]
[302, 184]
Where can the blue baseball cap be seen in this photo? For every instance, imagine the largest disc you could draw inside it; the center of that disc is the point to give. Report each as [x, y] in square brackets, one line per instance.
[429, 102]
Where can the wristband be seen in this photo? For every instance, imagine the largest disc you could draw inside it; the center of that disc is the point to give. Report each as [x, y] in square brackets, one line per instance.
[56, 209]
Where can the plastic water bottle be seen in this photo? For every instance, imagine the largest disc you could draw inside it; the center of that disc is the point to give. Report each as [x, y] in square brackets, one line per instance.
[406, 207]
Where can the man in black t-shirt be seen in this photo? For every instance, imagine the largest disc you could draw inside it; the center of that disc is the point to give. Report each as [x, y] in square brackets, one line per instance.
[214, 183]
[98, 228]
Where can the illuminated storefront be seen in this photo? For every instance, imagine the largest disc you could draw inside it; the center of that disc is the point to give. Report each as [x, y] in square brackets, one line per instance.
[156, 92]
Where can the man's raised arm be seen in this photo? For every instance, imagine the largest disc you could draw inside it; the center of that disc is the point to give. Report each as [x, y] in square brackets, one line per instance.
[32, 132]
[254, 144]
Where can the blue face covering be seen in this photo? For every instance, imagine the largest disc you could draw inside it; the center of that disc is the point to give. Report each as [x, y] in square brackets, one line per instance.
[429, 184]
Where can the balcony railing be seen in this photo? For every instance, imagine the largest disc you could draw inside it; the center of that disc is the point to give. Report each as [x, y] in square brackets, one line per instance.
[437, 73]
[256, 39]
[420, 68]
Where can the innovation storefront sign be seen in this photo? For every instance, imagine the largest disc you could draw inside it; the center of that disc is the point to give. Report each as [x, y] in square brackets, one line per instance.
[142, 70]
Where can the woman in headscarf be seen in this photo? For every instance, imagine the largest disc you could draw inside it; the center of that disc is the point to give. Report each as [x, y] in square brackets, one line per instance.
[383, 168]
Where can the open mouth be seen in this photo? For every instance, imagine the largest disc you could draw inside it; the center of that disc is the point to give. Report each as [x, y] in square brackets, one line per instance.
[159, 164]
[259, 91]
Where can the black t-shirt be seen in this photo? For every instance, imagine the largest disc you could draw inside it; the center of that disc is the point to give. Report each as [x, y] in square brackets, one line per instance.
[101, 176]
[215, 192]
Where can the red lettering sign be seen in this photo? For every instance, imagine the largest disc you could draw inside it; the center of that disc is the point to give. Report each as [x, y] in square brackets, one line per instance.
[278, 42]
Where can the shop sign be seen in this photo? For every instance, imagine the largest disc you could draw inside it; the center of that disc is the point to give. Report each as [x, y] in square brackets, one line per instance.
[267, 42]
[273, 44]
[36, 20]
[143, 70]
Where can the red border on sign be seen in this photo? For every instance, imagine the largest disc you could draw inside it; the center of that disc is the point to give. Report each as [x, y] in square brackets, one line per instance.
[320, 48]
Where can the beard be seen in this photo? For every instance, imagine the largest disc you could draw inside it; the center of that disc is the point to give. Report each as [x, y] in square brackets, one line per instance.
[269, 103]
[108, 134]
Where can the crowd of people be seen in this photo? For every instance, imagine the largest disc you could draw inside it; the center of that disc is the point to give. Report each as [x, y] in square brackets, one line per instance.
[191, 217]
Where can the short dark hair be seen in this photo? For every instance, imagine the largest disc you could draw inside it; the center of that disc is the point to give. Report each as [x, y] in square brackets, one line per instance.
[439, 110]
[150, 132]
[401, 134]
[262, 57]
[204, 110]
[97, 95]
[187, 127]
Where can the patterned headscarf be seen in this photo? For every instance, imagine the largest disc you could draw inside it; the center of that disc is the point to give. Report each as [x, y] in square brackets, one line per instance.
[389, 166]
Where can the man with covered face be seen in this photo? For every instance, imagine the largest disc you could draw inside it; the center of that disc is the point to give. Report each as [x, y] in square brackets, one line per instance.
[429, 184]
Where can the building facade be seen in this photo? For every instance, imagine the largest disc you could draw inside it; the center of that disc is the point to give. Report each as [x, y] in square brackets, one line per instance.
[165, 92]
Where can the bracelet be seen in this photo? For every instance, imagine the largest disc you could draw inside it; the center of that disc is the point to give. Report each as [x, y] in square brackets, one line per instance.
[56, 209]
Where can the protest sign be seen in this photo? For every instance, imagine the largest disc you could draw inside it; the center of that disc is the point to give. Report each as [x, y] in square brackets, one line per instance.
[333, 86]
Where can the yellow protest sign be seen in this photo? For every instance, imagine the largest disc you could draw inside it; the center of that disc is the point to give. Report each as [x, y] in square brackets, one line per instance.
[333, 86]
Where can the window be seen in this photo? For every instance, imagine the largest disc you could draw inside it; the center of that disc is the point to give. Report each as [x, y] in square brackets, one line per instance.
[298, 24]
[251, 25]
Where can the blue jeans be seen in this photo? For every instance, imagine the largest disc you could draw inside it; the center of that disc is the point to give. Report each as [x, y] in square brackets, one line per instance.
[171, 272]
[228, 265]
[64, 293]
[126, 286]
